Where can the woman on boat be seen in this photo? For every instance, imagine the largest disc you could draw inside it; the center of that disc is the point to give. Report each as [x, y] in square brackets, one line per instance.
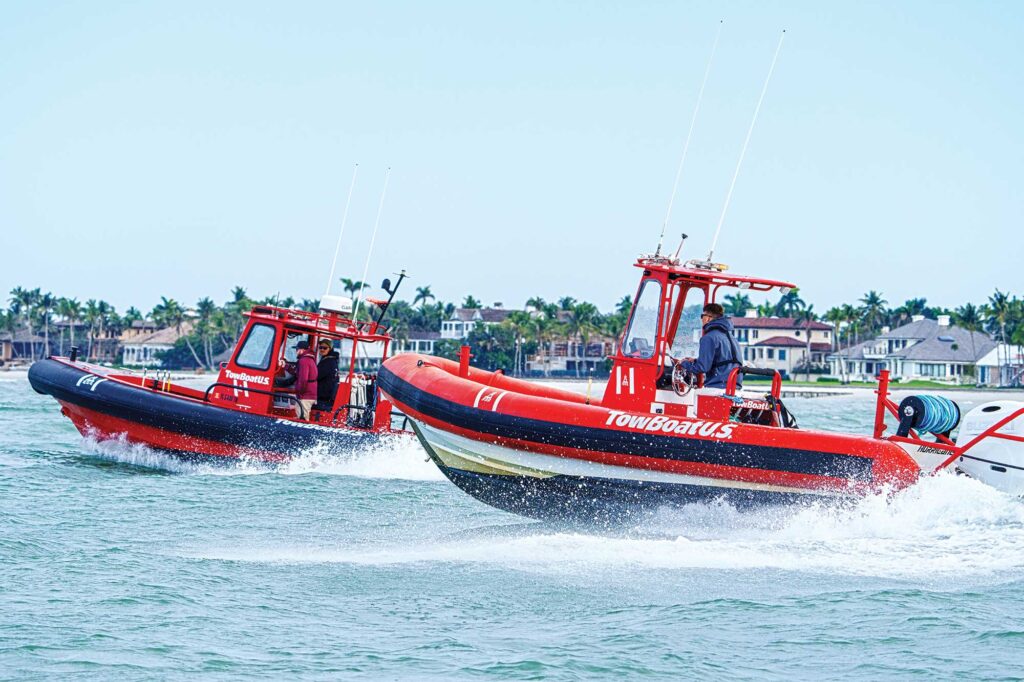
[326, 375]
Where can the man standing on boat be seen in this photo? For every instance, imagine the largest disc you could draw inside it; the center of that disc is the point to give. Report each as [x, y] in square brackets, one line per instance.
[305, 380]
[719, 353]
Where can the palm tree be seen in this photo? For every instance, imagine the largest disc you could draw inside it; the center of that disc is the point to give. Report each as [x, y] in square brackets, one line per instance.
[24, 303]
[790, 304]
[737, 304]
[423, 294]
[999, 306]
[521, 324]
[206, 310]
[806, 317]
[835, 316]
[89, 315]
[132, 315]
[471, 302]
[47, 304]
[352, 286]
[873, 310]
[584, 318]
[969, 317]
[169, 313]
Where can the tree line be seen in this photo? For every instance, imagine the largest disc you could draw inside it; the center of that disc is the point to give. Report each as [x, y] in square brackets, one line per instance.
[208, 328]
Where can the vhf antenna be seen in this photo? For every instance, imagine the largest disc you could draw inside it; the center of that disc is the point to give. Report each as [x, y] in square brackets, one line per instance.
[743, 152]
[373, 238]
[344, 219]
[686, 145]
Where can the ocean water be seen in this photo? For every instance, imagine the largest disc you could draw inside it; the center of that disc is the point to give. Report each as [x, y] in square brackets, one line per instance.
[117, 562]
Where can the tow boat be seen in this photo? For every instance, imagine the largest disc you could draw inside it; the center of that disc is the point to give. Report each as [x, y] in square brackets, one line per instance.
[657, 438]
[244, 414]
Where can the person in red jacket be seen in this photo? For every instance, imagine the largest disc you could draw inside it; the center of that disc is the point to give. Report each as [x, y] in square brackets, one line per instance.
[305, 372]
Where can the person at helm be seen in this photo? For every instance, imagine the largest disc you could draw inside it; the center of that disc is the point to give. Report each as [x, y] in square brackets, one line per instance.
[719, 353]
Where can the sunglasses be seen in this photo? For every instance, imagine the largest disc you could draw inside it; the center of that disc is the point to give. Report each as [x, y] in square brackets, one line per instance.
[325, 347]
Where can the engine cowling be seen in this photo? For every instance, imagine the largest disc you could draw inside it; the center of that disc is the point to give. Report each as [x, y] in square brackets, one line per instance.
[996, 461]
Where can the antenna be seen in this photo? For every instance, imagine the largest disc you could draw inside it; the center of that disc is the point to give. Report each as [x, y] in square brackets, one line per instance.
[373, 238]
[686, 145]
[344, 219]
[743, 152]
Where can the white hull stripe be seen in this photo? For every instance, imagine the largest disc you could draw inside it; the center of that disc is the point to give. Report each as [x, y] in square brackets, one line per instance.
[500, 457]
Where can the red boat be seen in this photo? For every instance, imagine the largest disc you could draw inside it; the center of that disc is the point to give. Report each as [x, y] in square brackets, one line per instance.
[245, 413]
[656, 438]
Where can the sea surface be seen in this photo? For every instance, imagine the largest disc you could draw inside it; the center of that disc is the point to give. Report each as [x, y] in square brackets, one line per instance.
[120, 563]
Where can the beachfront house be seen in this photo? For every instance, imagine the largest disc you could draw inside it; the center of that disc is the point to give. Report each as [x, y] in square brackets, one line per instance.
[920, 349]
[417, 341]
[21, 346]
[465, 320]
[780, 343]
[142, 349]
[1002, 366]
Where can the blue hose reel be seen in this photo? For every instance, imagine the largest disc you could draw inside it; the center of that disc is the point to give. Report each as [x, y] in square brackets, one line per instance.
[927, 414]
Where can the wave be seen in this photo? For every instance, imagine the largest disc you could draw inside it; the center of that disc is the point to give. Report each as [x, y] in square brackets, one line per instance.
[945, 529]
[392, 457]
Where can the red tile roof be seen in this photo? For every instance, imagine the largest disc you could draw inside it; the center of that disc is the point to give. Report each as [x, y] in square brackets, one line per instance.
[775, 323]
[786, 341]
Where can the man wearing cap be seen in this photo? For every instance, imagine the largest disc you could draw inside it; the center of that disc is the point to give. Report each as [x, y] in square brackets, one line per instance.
[305, 372]
[719, 353]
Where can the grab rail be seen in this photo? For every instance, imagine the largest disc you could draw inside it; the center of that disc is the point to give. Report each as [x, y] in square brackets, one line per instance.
[206, 396]
[730, 385]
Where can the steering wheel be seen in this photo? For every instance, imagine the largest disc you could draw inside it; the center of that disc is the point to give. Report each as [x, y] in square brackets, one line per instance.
[683, 380]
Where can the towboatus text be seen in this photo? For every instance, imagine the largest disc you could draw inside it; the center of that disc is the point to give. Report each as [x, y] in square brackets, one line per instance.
[245, 376]
[679, 427]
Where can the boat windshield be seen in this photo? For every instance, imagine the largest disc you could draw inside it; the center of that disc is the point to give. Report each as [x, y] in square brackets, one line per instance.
[686, 339]
[255, 352]
[643, 324]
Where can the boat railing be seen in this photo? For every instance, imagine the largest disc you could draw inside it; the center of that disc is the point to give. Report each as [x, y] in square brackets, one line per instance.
[730, 384]
[236, 387]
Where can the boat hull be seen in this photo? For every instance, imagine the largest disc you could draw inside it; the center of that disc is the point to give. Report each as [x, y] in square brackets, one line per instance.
[104, 408]
[519, 448]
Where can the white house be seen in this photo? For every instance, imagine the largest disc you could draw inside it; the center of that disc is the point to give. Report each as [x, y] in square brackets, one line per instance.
[142, 348]
[781, 342]
[465, 320]
[1002, 366]
[920, 349]
[417, 342]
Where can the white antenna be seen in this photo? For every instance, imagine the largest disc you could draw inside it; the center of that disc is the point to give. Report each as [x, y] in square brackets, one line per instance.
[686, 145]
[344, 219]
[373, 238]
[743, 152]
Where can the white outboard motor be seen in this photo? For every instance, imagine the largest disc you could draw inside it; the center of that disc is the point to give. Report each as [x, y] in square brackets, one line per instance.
[999, 462]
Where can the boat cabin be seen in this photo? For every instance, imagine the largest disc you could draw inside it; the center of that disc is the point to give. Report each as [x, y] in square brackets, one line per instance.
[664, 326]
[256, 378]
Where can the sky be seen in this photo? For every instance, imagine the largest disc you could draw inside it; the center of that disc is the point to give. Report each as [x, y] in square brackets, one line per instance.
[180, 149]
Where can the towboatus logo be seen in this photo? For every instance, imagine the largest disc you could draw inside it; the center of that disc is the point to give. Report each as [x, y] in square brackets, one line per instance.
[246, 377]
[671, 425]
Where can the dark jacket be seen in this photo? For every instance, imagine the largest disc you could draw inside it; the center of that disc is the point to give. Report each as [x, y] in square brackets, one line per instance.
[719, 354]
[305, 376]
[327, 378]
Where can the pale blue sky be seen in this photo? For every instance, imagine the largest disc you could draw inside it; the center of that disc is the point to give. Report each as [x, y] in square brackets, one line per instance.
[182, 148]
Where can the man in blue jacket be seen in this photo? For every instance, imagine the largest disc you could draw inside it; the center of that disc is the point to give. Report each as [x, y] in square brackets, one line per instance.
[719, 353]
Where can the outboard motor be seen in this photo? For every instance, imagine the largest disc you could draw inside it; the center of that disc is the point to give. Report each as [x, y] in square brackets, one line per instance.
[927, 414]
[999, 462]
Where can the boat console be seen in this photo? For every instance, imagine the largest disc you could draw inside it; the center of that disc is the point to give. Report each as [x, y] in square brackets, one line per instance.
[664, 327]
